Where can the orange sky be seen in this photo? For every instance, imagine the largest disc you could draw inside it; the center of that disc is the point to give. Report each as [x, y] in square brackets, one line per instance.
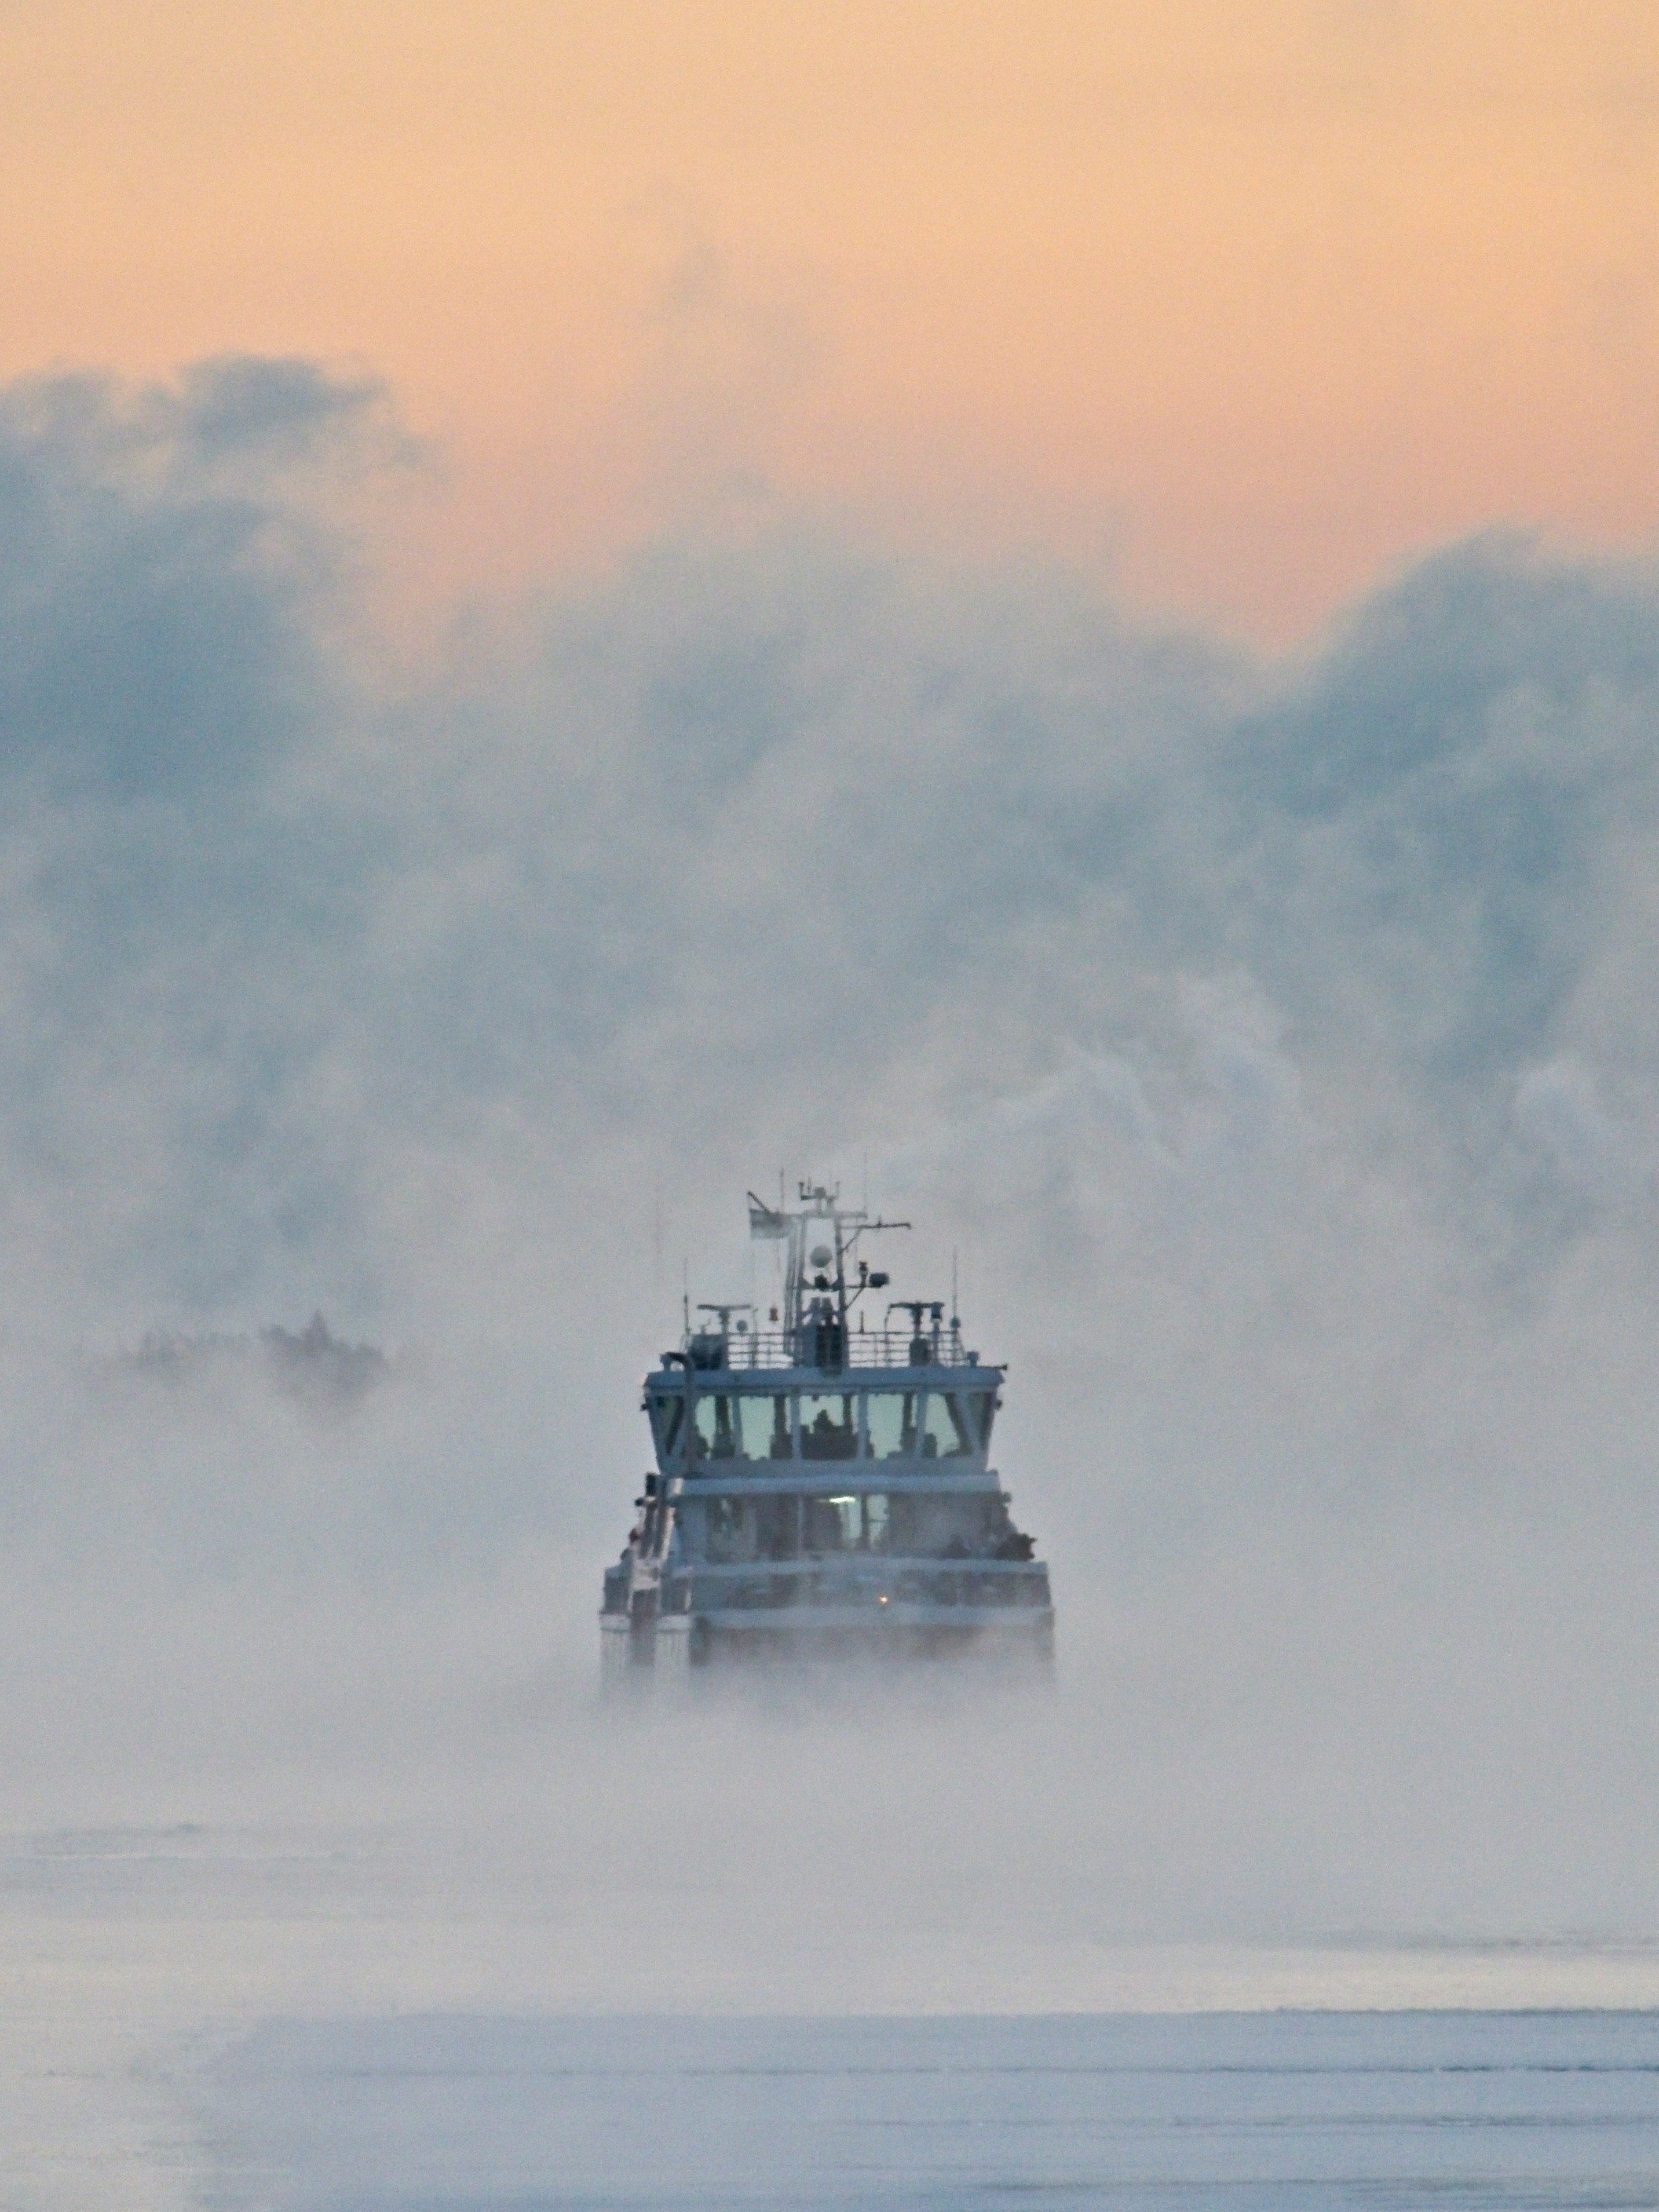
[1238, 304]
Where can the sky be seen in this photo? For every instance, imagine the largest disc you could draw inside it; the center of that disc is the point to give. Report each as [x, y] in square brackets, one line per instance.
[1056, 613]
[1237, 309]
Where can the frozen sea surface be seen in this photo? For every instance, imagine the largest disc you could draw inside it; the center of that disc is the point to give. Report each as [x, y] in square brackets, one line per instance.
[254, 2020]
[1244, 2111]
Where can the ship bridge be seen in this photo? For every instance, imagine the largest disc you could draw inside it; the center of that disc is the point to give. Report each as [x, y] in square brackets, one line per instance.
[820, 1382]
[703, 1420]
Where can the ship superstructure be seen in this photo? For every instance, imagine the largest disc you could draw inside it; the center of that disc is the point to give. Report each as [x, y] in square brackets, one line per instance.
[823, 1485]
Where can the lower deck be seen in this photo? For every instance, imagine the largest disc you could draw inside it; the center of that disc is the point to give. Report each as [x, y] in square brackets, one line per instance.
[868, 1608]
[676, 1644]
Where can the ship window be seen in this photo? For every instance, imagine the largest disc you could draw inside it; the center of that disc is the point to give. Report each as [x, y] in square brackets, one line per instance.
[945, 1528]
[729, 1532]
[716, 1436]
[777, 1528]
[827, 1430]
[764, 1426]
[666, 1415]
[891, 1423]
[844, 1524]
[981, 1408]
[734, 1531]
[831, 1524]
[875, 1522]
[945, 1432]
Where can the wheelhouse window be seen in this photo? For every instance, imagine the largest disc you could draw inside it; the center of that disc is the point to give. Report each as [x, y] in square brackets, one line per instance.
[890, 1423]
[667, 1419]
[829, 1426]
[945, 1431]
[924, 1425]
[764, 1426]
[714, 1426]
[733, 1425]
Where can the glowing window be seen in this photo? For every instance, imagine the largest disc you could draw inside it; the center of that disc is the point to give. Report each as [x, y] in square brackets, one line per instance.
[831, 1524]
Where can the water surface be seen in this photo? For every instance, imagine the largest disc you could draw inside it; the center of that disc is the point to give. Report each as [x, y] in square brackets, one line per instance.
[1242, 2110]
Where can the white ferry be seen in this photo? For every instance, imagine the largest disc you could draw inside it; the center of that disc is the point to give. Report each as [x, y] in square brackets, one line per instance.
[822, 1485]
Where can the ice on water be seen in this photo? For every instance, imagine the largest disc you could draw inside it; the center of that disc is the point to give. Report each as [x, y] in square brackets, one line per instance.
[262, 2020]
[1246, 2111]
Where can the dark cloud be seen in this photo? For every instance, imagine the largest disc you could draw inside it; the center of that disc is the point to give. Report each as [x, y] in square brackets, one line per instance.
[153, 620]
[1434, 809]
[160, 673]
[278, 412]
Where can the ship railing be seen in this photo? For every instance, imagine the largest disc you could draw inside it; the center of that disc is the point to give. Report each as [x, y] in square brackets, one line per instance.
[820, 1345]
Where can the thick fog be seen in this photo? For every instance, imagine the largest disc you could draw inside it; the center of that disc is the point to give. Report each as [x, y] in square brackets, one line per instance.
[1273, 1049]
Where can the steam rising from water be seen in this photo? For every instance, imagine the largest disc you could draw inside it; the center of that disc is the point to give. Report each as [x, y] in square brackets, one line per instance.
[1273, 1049]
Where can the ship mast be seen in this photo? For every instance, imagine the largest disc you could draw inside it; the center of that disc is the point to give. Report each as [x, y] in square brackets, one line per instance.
[817, 1202]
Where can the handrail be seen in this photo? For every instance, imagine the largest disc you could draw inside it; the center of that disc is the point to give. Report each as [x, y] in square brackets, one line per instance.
[711, 1352]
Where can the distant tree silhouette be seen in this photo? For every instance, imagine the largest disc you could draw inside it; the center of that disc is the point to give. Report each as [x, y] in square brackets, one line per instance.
[311, 1363]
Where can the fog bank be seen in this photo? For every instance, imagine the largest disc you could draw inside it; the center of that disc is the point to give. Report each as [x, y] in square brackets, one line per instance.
[1273, 1045]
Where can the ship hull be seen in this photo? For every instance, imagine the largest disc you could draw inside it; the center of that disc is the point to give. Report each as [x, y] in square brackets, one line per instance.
[635, 1653]
[723, 1643]
[680, 1647]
